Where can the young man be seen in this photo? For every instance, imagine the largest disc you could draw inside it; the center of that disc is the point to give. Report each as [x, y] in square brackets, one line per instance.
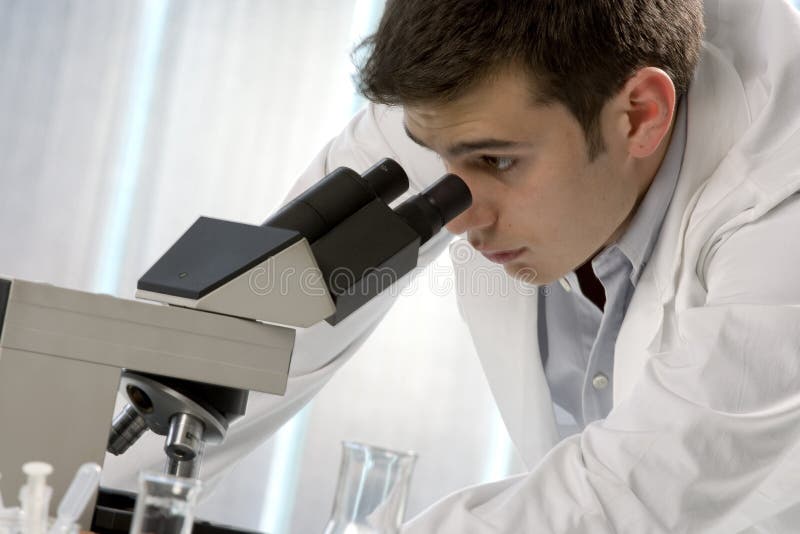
[644, 176]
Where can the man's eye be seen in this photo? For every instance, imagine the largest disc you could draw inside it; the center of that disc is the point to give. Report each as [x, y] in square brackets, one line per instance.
[498, 163]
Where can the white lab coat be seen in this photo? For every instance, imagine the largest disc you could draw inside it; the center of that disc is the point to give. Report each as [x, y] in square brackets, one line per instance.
[704, 432]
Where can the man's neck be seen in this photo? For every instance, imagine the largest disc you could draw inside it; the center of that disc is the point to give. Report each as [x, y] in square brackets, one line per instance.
[649, 169]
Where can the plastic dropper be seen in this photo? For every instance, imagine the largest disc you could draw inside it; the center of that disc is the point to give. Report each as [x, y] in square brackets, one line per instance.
[77, 497]
[35, 497]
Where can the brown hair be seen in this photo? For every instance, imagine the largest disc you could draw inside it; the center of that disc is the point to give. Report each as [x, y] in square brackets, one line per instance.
[578, 52]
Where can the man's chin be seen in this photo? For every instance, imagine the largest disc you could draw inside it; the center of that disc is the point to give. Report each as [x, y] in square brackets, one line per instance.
[528, 274]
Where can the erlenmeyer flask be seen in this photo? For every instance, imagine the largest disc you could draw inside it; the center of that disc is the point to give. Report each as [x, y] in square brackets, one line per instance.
[165, 504]
[372, 490]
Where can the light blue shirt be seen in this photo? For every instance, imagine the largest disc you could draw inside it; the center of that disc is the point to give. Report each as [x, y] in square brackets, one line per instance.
[576, 338]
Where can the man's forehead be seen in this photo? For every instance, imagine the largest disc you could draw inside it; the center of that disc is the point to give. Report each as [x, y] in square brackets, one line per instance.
[503, 92]
[436, 127]
[455, 135]
[442, 116]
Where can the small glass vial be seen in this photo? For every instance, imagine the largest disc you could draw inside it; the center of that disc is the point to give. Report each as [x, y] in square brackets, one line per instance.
[372, 490]
[165, 504]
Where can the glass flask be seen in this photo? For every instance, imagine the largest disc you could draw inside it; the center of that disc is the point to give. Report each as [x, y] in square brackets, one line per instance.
[165, 504]
[372, 490]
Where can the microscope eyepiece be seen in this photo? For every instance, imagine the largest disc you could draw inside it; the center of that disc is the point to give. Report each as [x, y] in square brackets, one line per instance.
[388, 179]
[339, 195]
[436, 206]
[450, 195]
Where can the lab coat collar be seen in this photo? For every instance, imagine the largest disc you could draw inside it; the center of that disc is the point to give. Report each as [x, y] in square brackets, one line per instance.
[715, 92]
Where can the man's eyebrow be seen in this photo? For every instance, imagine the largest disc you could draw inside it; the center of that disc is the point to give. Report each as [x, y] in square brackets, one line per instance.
[413, 138]
[466, 147]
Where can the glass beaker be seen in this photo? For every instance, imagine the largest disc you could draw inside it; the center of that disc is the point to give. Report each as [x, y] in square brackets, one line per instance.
[372, 490]
[165, 504]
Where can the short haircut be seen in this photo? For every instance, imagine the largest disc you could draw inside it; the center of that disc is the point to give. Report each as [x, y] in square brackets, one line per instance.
[577, 52]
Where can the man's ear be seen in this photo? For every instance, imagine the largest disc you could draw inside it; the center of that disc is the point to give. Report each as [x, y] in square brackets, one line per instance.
[648, 101]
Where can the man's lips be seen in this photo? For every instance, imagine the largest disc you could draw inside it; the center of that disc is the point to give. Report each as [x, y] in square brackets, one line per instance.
[502, 256]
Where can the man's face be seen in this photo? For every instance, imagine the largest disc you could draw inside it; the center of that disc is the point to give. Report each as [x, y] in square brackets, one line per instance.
[539, 205]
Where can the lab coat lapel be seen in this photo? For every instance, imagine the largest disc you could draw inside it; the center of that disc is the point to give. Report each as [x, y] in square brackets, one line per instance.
[501, 314]
[715, 92]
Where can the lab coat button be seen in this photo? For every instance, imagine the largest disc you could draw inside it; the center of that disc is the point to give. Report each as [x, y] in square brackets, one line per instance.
[600, 381]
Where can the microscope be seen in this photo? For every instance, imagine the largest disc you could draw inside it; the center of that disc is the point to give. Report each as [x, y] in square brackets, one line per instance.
[228, 298]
